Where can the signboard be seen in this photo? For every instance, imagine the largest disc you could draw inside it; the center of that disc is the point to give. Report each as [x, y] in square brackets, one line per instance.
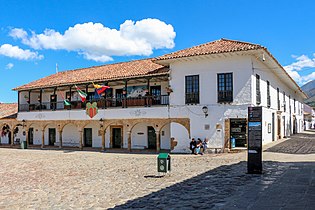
[254, 162]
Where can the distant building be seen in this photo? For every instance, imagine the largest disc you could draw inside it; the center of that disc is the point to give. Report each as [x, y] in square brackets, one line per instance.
[309, 117]
[8, 122]
[201, 92]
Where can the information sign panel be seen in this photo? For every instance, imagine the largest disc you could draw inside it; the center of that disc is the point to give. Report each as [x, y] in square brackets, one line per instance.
[254, 162]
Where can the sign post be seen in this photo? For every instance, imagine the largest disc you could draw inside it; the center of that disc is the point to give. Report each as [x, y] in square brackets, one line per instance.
[254, 162]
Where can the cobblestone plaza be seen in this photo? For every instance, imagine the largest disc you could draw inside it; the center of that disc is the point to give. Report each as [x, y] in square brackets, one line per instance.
[67, 179]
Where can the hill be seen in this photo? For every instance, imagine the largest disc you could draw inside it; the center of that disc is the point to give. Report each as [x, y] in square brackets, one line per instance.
[309, 88]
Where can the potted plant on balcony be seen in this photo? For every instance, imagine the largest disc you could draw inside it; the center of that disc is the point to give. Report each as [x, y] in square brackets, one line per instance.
[169, 90]
[27, 99]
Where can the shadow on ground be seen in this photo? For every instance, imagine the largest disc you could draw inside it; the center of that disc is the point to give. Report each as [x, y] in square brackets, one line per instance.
[297, 144]
[281, 186]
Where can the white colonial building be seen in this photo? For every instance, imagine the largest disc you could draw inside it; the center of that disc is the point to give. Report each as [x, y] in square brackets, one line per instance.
[200, 92]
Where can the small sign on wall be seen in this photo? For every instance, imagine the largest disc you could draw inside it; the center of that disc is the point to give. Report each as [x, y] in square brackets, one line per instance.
[207, 127]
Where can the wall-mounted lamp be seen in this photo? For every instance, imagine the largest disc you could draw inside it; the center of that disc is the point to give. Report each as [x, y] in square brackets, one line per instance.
[23, 123]
[205, 111]
[101, 123]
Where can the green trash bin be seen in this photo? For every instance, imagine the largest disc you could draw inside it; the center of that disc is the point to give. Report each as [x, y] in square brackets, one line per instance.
[23, 144]
[164, 162]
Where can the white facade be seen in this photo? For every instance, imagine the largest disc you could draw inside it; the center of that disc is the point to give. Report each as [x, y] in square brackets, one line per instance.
[278, 121]
[244, 69]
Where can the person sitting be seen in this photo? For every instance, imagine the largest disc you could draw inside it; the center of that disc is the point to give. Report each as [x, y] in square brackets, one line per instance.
[205, 144]
[192, 147]
[199, 147]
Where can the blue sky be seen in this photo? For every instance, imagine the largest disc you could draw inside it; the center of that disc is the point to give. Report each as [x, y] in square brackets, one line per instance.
[35, 35]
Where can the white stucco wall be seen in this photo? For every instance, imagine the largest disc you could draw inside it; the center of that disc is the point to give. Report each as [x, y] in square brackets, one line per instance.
[207, 70]
[244, 69]
[266, 74]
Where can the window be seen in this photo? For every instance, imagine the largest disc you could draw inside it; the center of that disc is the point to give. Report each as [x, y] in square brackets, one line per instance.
[284, 105]
[290, 104]
[278, 99]
[225, 87]
[258, 96]
[192, 89]
[268, 95]
[294, 106]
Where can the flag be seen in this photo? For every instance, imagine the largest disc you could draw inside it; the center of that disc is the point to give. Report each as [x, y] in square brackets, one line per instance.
[81, 94]
[100, 88]
[67, 103]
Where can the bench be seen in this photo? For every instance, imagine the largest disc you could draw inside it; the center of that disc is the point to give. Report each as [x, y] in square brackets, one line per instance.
[215, 149]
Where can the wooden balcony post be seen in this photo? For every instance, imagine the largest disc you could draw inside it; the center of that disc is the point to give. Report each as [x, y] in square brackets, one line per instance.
[43, 138]
[26, 137]
[125, 95]
[60, 138]
[41, 98]
[81, 139]
[12, 136]
[29, 99]
[129, 140]
[158, 139]
[103, 139]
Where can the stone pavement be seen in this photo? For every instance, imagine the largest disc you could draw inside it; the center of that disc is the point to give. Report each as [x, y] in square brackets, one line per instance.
[288, 182]
[68, 179]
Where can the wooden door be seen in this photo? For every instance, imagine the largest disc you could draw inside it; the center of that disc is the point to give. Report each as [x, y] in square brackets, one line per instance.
[30, 135]
[117, 137]
[52, 136]
[88, 137]
[119, 97]
[151, 138]
[53, 102]
[156, 94]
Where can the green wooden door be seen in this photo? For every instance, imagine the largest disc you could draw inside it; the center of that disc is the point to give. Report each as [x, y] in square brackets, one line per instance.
[88, 137]
[52, 136]
[116, 137]
[151, 138]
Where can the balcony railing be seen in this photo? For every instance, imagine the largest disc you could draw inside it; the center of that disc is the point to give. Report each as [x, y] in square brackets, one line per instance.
[145, 101]
[225, 96]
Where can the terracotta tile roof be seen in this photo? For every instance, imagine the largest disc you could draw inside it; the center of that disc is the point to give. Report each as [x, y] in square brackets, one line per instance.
[215, 47]
[115, 71]
[7, 110]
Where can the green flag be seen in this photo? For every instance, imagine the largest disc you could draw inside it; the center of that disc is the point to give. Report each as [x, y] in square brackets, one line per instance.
[67, 103]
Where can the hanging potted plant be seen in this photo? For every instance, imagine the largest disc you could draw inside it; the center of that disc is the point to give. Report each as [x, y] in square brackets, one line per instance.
[169, 90]
[27, 99]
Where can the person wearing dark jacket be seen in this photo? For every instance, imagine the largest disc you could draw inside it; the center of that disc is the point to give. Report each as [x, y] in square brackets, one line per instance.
[193, 144]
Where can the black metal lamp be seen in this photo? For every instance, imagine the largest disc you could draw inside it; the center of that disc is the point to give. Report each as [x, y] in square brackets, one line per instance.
[101, 123]
[205, 110]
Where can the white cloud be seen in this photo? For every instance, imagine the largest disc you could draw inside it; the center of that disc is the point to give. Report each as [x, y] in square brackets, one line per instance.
[301, 63]
[18, 53]
[98, 42]
[9, 66]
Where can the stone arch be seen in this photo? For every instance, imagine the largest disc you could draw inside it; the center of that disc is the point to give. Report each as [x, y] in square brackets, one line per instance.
[46, 134]
[30, 124]
[70, 138]
[143, 121]
[184, 122]
[44, 126]
[108, 123]
[96, 138]
[7, 138]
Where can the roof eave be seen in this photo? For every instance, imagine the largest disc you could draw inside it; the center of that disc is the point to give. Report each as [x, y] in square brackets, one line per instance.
[91, 81]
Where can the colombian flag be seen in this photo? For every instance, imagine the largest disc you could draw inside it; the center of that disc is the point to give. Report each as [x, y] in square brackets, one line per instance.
[100, 88]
